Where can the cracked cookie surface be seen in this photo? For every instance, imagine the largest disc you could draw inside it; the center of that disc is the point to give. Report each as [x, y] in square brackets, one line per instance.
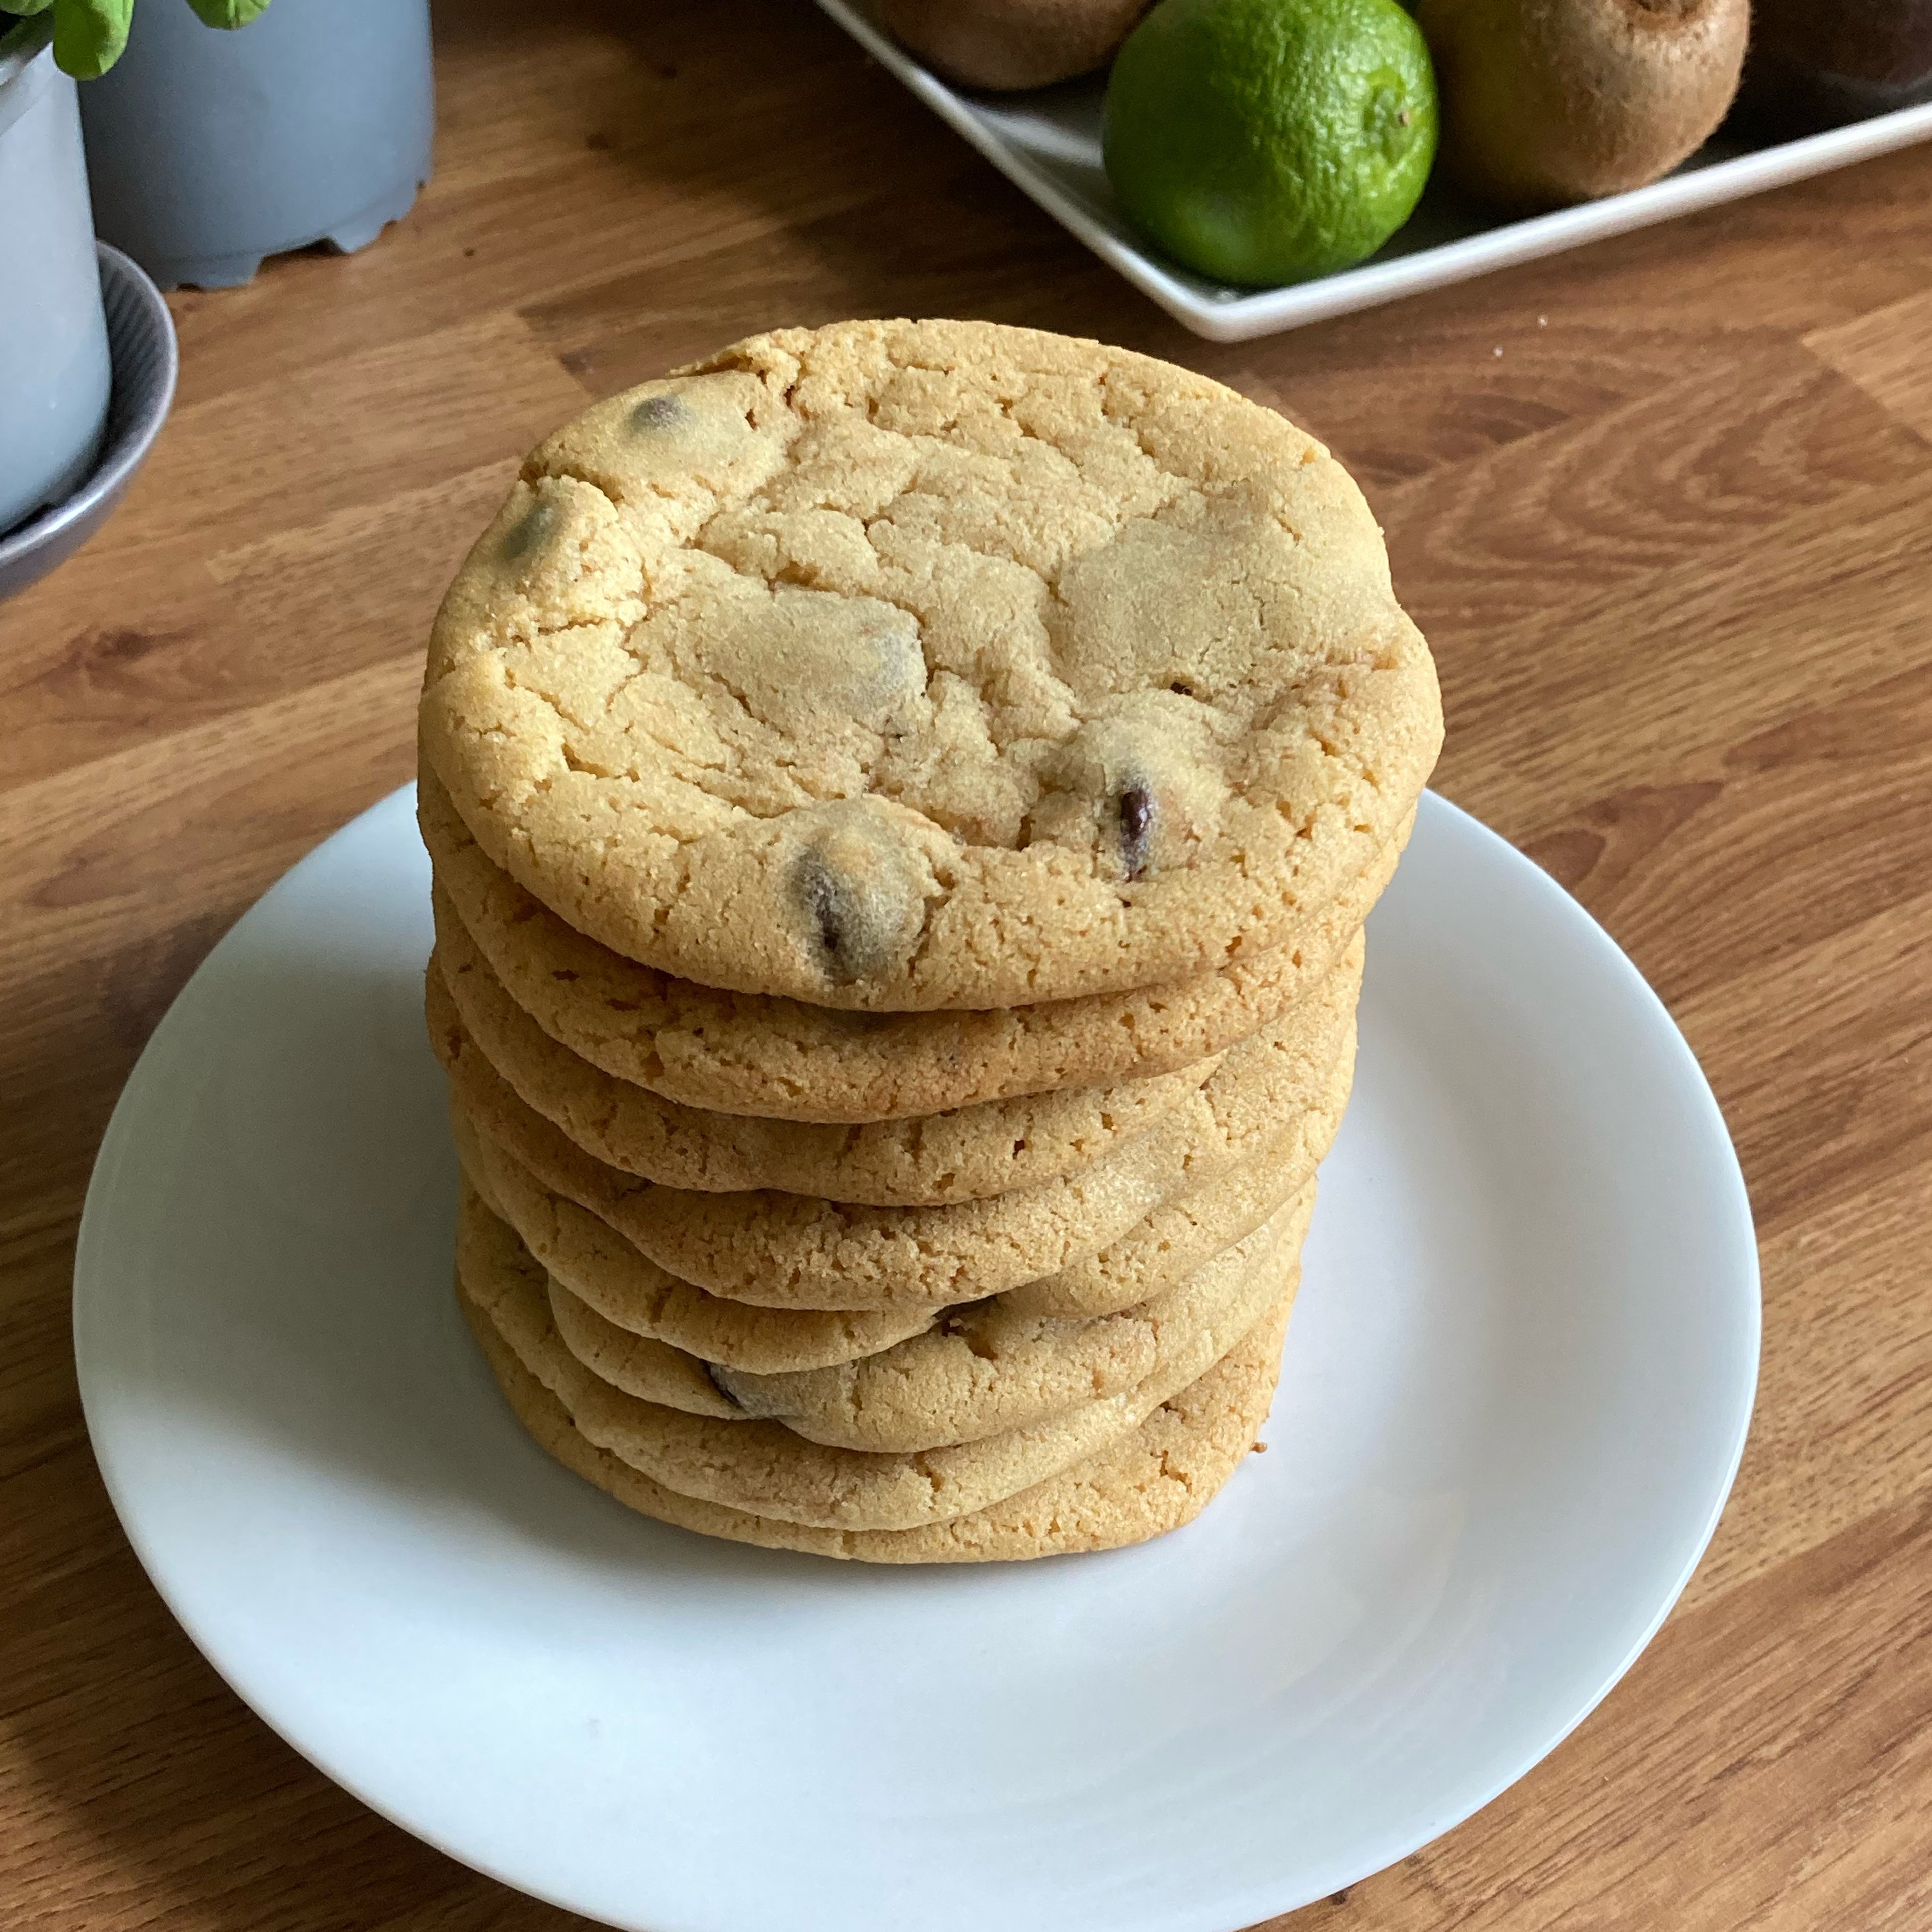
[901, 666]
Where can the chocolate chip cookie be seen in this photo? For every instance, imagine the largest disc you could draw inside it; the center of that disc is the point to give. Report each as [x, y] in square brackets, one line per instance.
[897, 666]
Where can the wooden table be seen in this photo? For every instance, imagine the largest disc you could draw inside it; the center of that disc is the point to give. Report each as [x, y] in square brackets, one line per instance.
[1664, 508]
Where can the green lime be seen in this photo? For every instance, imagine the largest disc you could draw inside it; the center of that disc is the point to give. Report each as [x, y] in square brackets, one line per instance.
[1264, 141]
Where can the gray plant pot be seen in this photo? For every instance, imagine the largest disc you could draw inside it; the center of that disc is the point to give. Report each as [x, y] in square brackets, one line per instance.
[141, 339]
[54, 375]
[210, 149]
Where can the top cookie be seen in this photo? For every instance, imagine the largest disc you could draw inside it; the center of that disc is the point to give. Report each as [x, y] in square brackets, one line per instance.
[897, 666]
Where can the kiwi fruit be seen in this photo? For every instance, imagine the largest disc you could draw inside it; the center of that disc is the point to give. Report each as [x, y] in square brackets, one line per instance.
[1813, 65]
[1549, 102]
[1006, 44]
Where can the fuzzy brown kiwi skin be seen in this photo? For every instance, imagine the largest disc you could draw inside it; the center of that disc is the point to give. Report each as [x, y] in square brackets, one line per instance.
[1813, 65]
[1548, 102]
[1006, 44]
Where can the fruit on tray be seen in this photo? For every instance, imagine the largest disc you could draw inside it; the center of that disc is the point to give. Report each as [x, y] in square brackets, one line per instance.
[1547, 102]
[1011, 43]
[1814, 65]
[1261, 142]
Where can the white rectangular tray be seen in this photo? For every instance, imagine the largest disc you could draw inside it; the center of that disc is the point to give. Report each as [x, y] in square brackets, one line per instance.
[1048, 143]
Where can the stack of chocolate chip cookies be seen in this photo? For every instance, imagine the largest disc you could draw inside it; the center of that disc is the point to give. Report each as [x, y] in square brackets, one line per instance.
[904, 798]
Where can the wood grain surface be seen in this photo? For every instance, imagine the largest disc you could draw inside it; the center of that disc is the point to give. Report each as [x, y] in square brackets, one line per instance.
[1663, 507]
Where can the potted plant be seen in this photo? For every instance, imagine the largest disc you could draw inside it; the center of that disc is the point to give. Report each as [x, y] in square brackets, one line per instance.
[208, 151]
[54, 375]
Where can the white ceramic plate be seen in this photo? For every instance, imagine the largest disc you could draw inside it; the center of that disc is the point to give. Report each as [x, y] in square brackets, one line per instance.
[1047, 142]
[1516, 1389]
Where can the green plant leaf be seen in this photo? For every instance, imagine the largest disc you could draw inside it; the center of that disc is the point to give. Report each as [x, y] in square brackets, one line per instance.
[22, 7]
[89, 35]
[227, 13]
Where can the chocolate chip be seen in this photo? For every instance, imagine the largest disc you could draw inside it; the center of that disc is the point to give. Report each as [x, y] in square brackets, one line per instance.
[658, 413]
[830, 905]
[1182, 688]
[1136, 811]
[530, 530]
[852, 887]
